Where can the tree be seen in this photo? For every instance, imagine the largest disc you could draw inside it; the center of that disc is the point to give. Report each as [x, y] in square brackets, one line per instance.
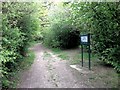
[102, 21]
[20, 22]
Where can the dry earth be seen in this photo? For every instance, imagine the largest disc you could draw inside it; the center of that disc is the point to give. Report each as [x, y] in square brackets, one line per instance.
[49, 71]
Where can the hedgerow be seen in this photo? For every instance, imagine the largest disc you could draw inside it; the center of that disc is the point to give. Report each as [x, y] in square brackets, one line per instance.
[19, 25]
[102, 20]
[107, 33]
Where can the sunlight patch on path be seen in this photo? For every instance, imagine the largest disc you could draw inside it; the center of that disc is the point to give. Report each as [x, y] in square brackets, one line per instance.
[41, 55]
[81, 69]
[54, 56]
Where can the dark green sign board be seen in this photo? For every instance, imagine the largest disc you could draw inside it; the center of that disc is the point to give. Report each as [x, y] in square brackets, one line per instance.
[85, 40]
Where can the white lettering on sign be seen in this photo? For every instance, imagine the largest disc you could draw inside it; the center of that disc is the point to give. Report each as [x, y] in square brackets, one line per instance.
[84, 39]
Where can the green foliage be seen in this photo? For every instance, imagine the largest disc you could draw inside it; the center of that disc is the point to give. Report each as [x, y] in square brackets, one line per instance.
[12, 38]
[19, 24]
[63, 56]
[62, 35]
[98, 18]
[108, 32]
[112, 58]
[24, 22]
[102, 21]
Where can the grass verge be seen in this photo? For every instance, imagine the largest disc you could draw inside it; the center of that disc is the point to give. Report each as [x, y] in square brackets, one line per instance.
[103, 76]
[77, 58]
[61, 54]
[23, 65]
[74, 59]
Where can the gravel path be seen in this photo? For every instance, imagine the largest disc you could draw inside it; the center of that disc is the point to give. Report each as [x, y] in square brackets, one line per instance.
[49, 71]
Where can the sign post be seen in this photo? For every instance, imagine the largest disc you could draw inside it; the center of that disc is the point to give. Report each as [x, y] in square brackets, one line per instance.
[85, 40]
[82, 54]
[89, 52]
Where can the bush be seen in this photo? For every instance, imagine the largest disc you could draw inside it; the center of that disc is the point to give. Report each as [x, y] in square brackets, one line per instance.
[62, 35]
[12, 41]
[19, 26]
[103, 21]
[107, 33]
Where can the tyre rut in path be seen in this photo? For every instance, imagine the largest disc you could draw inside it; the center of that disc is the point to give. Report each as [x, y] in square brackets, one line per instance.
[48, 71]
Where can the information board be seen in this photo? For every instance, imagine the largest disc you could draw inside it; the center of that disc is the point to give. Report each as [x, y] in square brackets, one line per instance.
[85, 39]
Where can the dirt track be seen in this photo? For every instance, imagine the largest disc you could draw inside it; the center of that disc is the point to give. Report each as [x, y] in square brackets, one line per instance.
[48, 71]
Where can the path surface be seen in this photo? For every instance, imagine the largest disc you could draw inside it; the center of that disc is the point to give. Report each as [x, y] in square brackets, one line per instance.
[48, 71]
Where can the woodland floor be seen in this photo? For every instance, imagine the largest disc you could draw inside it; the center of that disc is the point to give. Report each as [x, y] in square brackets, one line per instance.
[50, 71]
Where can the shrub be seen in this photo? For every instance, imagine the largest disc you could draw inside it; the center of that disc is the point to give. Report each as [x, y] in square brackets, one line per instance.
[62, 35]
[107, 33]
[103, 21]
[19, 26]
[12, 40]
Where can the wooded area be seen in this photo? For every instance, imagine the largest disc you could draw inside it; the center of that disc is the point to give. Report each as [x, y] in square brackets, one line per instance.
[58, 26]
